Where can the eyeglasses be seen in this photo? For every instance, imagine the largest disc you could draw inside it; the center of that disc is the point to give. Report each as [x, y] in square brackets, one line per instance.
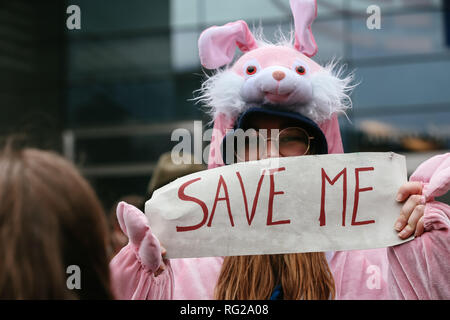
[252, 145]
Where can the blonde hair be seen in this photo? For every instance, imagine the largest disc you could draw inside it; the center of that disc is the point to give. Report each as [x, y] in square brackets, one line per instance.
[302, 276]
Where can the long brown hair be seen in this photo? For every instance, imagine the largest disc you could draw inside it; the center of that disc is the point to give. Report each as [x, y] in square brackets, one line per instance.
[301, 276]
[50, 218]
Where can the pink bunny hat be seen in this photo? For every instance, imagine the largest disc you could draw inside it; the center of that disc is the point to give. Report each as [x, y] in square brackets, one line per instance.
[281, 75]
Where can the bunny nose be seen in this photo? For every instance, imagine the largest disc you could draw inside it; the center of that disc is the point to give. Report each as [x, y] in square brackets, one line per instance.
[278, 75]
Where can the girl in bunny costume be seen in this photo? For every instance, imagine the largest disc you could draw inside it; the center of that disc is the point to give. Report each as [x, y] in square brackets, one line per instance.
[282, 80]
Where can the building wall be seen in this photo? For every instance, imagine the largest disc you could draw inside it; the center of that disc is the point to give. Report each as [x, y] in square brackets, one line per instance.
[32, 56]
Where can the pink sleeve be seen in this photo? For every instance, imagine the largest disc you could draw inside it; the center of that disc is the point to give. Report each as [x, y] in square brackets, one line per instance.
[132, 269]
[420, 269]
[360, 274]
[435, 176]
[131, 280]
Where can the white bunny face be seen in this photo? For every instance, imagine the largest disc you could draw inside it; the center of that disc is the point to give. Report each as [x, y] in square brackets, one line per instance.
[277, 85]
[279, 74]
[271, 80]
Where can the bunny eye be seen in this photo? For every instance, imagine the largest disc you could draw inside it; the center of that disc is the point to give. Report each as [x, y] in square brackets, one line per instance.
[300, 70]
[251, 67]
[300, 67]
[251, 70]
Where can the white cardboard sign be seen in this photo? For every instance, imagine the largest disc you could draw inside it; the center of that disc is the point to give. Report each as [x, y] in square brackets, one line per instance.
[282, 205]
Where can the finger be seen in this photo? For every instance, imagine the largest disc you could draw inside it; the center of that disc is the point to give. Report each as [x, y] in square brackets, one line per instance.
[164, 262]
[160, 270]
[412, 222]
[406, 211]
[420, 228]
[409, 188]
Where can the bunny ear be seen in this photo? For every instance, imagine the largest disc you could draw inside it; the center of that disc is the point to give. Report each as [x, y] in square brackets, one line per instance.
[217, 44]
[304, 11]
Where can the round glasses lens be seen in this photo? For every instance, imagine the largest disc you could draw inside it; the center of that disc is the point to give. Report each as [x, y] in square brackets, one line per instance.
[293, 142]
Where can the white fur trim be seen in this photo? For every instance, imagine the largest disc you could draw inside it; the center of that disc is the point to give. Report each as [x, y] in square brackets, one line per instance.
[220, 93]
[331, 90]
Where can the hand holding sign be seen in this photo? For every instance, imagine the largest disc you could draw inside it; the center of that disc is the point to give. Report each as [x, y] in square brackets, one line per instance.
[300, 204]
[411, 214]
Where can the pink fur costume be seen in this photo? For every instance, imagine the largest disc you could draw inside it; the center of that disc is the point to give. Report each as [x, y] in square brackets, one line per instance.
[284, 74]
